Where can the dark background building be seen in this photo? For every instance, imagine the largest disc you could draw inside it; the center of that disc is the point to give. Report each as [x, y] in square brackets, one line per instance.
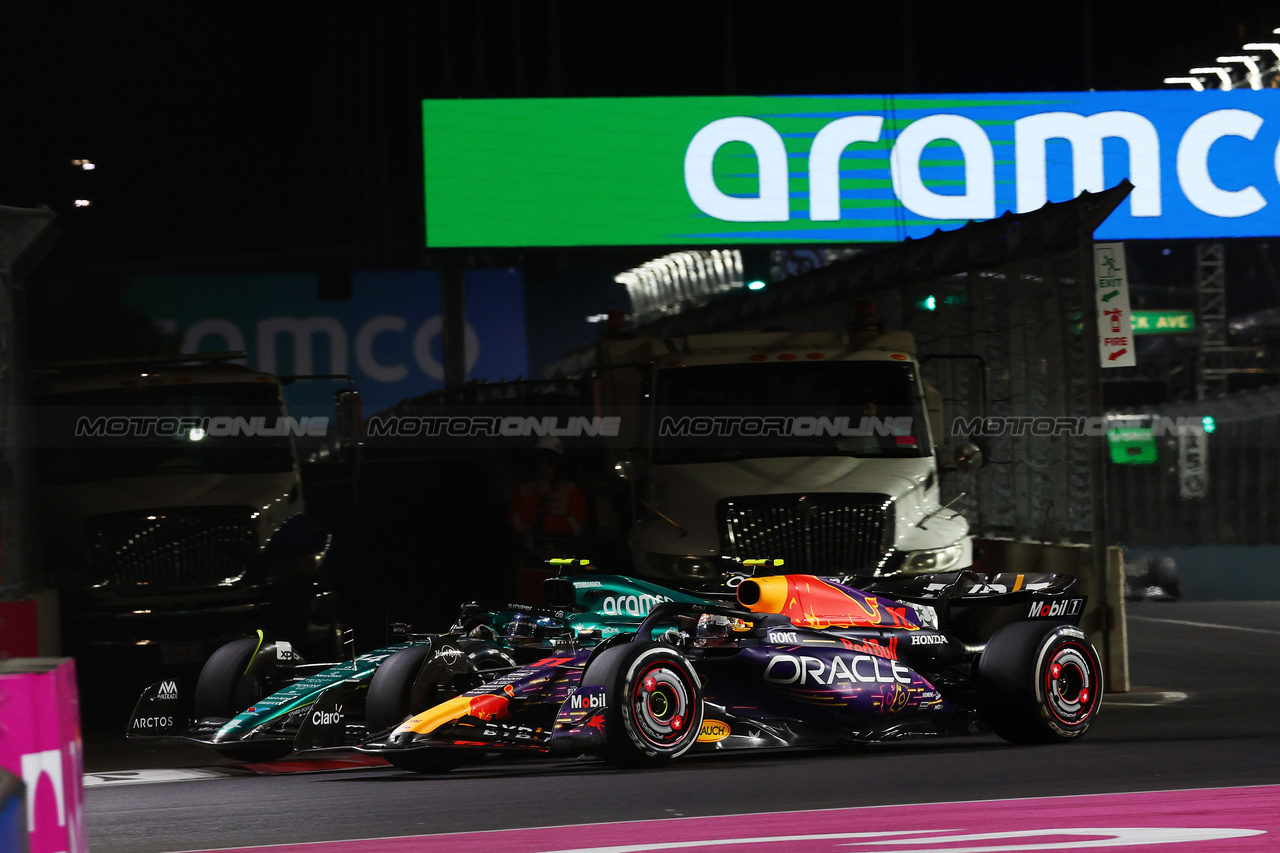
[286, 138]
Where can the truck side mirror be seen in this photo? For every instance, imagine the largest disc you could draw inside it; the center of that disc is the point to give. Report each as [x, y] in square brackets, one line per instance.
[349, 411]
[969, 457]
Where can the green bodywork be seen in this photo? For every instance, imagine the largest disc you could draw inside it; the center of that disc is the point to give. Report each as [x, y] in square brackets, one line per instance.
[301, 694]
[608, 604]
[614, 604]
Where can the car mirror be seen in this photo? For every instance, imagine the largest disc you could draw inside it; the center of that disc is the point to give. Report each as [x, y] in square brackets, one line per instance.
[969, 457]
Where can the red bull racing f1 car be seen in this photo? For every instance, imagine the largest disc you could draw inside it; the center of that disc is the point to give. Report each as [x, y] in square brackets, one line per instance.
[254, 695]
[795, 660]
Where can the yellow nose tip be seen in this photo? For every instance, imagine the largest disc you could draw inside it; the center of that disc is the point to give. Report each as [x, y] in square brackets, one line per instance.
[433, 718]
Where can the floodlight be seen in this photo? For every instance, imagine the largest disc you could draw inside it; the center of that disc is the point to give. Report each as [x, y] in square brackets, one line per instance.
[1224, 74]
[1272, 46]
[1249, 62]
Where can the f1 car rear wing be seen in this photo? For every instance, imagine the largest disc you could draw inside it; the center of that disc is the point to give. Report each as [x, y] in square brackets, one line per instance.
[1045, 595]
[971, 588]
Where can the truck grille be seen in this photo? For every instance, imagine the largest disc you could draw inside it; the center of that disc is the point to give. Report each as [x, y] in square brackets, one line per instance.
[174, 549]
[847, 533]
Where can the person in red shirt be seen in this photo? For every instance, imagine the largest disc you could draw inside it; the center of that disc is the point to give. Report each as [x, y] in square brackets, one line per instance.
[550, 514]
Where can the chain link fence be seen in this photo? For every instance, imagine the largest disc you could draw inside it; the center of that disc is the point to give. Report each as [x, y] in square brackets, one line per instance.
[996, 312]
[1230, 497]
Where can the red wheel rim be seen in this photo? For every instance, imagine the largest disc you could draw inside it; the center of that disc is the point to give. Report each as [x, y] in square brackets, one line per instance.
[661, 703]
[1070, 684]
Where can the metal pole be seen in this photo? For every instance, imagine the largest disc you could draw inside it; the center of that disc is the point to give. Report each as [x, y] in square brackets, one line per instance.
[1097, 586]
[453, 313]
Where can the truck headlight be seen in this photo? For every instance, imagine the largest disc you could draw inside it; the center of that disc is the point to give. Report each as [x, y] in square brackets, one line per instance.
[683, 567]
[933, 560]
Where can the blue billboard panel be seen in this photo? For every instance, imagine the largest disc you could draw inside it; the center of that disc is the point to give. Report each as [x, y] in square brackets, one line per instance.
[387, 336]
[1203, 164]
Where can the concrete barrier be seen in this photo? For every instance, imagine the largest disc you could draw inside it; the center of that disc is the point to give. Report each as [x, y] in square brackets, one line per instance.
[40, 744]
[1104, 616]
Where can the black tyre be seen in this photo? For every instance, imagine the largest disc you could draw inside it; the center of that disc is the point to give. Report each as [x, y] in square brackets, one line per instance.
[654, 703]
[229, 682]
[415, 679]
[222, 689]
[1039, 683]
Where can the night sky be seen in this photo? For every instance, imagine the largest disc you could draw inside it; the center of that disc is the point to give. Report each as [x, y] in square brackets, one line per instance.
[273, 136]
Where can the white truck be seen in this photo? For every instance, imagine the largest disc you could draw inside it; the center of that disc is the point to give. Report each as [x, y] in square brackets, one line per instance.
[809, 447]
[172, 509]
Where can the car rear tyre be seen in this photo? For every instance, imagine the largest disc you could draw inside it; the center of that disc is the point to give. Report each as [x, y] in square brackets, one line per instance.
[654, 703]
[1039, 683]
[409, 682]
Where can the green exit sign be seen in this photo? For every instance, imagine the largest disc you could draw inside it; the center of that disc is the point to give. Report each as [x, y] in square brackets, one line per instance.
[1132, 445]
[1164, 322]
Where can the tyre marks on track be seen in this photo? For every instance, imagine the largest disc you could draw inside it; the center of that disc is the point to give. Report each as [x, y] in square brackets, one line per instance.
[1212, 819]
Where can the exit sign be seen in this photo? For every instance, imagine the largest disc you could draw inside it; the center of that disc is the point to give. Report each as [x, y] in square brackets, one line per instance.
[1164, 322]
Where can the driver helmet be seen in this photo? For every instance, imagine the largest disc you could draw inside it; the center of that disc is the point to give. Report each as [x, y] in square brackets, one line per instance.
[712, 629]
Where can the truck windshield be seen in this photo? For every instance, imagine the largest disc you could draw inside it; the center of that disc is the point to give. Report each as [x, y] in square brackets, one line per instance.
[72, 453]
[722, 412]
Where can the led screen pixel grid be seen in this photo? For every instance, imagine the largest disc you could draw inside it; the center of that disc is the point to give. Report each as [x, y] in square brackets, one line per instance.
[777, 170]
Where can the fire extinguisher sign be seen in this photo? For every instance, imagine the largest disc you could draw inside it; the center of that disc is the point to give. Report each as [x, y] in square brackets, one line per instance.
[1115, 320]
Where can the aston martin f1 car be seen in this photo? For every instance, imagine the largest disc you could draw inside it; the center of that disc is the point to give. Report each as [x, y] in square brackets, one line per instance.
[253, 695]
[797, 660]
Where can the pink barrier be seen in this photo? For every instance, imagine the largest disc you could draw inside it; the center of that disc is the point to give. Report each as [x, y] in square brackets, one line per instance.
[40, 744]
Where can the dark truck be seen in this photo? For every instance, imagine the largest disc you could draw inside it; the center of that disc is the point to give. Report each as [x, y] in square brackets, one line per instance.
[173, 515]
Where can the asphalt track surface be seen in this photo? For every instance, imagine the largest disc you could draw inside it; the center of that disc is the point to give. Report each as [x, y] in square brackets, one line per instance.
[1203, 715]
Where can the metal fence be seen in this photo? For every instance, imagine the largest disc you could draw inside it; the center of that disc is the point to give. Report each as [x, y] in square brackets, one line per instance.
[1007, 291]
[1019, 319]
[1235, 499]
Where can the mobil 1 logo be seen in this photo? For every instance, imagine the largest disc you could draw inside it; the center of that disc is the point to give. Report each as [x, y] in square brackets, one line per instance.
[587, 699]
[1050, 609]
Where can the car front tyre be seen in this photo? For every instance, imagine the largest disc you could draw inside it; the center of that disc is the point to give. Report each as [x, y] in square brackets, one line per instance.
[654, 712]
[225, 688]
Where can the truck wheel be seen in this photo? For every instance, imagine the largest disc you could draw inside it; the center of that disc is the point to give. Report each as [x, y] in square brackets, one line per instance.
[654, 710]
[408, 683]
[1039, 683]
